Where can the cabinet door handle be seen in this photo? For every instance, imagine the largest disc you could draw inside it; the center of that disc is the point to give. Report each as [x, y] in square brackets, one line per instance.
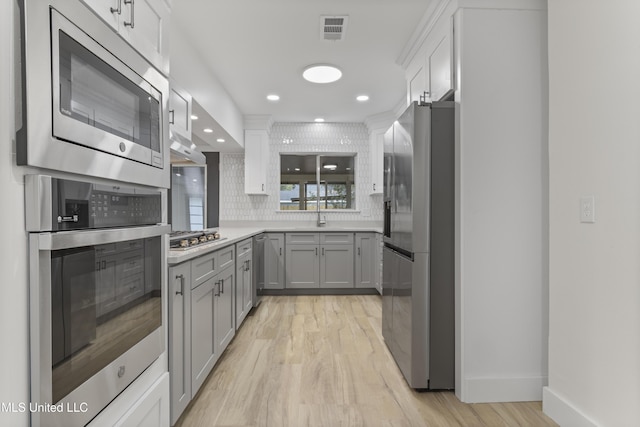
[118, 10]
[322, 251]
[280, 251]
[132, 23]
[262, 187]
[172, 120]
[374, 187]
[104, 265]
[358, 251]
[181, 291]
[222, 286]
[217, 284]
[98, 266]
[316, 251]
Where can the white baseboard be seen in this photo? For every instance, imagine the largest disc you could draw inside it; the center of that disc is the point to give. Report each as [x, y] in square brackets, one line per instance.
[562, 412]
[486, 390]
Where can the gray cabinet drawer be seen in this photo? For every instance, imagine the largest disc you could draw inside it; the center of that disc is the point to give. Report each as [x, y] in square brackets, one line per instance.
[243, 247]
[226, 257]
[203, 268]
[336, 238]
[130, 245]
[302, 238]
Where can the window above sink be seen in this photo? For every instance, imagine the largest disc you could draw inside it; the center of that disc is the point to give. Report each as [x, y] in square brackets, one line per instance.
[309, 179]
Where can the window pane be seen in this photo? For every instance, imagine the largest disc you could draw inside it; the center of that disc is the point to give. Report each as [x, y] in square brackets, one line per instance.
[299, 189]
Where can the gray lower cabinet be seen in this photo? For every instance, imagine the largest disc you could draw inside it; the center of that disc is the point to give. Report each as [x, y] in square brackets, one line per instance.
[244, 276]
[202, 321]
[336, 260]
[366, 259]
[319, 260]
[303, 266]
[274, 261]
[336, 265]
[224, 321]
[203, 340]
[179, 291]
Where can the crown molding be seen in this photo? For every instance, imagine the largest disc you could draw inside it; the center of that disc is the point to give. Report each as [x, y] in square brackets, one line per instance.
[428, 21]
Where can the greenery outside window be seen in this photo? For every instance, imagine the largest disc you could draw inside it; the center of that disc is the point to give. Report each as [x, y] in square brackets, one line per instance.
[309, 179]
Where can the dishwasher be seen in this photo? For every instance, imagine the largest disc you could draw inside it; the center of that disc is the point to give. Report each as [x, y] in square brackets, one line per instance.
[258, 267]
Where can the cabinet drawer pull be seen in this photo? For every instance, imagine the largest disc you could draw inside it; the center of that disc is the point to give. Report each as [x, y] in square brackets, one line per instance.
[181, 291]
[132, 22]
[117, 10]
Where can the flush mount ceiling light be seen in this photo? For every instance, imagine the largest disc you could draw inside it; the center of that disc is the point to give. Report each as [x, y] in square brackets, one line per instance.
[330, 166]
[219, 140]
[194, 117]
[321, 73]
[273, 97]
[362, 98]
[207, 130]
[318, 120]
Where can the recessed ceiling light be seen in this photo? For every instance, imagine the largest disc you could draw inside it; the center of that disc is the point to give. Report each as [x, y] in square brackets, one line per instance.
[195, 180]
[219, 140]
[207, 130]
[297, 169]
[362, 98]
[348, 169]
[273, 97]
[330, 166]
[178, 174]
[194, 117]
[321, 73]
[319, 120]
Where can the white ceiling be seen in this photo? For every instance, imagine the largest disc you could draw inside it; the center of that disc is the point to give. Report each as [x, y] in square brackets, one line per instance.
[258, 47]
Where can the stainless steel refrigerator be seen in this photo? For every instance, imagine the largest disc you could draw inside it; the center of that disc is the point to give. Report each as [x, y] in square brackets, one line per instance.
[418, 254]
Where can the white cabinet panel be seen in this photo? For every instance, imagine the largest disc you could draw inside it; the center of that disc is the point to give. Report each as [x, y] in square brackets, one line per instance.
[180, 338]
[203, 341]
[440, 74]
[376, 148]
[365, 260]
[142, 23]
[256, 160]
[180, 104]
[152, 409]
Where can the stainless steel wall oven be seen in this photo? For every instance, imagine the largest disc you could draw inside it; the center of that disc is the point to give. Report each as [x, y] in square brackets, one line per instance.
[96, 274]
[91, 104]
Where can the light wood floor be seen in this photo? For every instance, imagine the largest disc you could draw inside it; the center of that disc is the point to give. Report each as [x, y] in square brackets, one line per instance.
[321, 361]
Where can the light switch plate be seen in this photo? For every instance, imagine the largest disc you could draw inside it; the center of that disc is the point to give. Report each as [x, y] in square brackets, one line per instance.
[588, 209]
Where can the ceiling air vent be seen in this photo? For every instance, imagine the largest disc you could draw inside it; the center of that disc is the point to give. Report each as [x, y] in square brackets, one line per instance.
[333, 28]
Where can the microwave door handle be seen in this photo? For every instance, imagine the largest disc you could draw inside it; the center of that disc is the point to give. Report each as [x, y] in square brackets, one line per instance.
[131, 23]
[117, 10]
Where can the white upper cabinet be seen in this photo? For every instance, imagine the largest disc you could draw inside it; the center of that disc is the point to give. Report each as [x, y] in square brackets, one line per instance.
[142, 23]
[440, 72]
[376, 146]
[256, 159]
[180, 112]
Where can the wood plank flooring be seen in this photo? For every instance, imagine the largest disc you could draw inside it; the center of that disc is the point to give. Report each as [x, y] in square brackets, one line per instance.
[321, 361]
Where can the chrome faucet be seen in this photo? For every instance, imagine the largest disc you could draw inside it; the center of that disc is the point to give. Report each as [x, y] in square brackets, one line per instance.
[321, 221]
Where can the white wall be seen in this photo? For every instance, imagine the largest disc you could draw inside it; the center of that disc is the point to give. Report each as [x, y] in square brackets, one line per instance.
[594, 149]
[501, 207]
[235, 205]
[14, 333]
[191, 73]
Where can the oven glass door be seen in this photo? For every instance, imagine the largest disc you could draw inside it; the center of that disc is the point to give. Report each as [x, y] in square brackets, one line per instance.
[104, 299]
[98, 101]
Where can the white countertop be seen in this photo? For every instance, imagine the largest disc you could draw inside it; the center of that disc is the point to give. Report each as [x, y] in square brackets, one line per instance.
[234, 234]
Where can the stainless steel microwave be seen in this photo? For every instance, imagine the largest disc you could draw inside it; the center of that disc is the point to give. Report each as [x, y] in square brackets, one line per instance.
[91, 104]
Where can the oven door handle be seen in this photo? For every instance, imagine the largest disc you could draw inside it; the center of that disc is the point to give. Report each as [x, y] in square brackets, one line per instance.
[76, 239]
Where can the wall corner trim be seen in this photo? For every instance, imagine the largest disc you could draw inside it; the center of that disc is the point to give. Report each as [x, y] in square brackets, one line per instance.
[563, 412]
[503, 389]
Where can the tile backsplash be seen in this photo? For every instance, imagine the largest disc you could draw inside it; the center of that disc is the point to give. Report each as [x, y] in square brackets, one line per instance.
[307, 138]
